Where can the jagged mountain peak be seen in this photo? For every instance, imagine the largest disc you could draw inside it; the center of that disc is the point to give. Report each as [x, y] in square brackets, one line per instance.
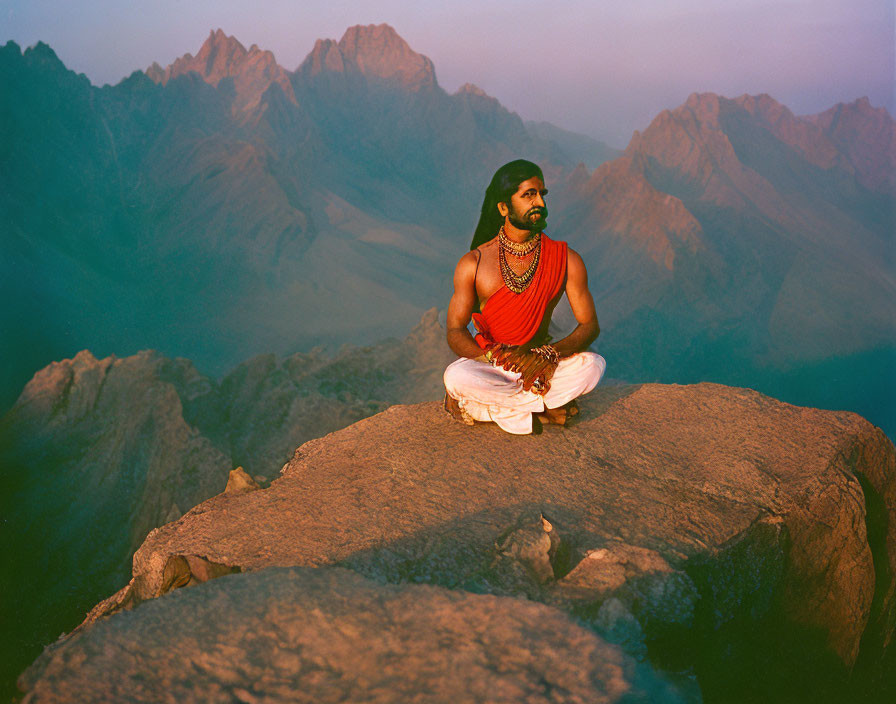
[364, 39]
[855, 137]
[867, 135]
[859, 109]
[375, 51]
[41, 54]
[221, 51]
[707, 108]
[219, 56]
[223, 56]
[41, 49]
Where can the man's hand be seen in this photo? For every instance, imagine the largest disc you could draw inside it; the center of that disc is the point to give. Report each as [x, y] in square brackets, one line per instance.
[536, 370]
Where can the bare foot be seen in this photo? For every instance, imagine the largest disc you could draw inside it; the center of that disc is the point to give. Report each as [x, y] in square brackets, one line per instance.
[560, 416]
[555, 416]
[453, 407]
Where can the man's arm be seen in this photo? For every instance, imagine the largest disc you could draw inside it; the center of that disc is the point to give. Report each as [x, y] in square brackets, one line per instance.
[460, 309]
[582, 305]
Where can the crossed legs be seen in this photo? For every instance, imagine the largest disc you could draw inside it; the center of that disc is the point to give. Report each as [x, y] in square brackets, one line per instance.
[488, 393]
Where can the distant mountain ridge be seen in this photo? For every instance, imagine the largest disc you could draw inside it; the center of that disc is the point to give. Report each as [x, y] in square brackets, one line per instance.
[374, 51]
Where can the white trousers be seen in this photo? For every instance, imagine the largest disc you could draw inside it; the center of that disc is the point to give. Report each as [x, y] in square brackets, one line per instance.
[490, 393]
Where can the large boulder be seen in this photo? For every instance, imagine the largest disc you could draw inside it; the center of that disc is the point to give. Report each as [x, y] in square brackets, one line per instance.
[330, 635]
[718, 532]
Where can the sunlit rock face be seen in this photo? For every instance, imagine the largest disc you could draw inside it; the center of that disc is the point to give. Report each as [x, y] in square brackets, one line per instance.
[729, 539]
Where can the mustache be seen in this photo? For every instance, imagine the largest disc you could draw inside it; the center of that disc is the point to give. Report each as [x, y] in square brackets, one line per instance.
[537, 210]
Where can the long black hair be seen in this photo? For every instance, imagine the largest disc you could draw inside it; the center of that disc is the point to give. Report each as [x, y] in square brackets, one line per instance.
[503, 185]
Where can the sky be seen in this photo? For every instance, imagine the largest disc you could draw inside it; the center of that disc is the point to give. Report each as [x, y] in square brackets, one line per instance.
[601, 67]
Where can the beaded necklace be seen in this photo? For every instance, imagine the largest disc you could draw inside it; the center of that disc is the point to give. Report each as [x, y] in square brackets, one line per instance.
[518, 282]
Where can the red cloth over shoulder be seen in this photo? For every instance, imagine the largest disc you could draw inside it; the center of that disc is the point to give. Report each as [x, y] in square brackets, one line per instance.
[514, 318]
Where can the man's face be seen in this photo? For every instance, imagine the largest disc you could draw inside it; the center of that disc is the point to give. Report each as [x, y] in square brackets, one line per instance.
[527, 210]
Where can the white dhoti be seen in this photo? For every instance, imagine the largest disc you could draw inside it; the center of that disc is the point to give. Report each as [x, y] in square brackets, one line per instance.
[490, 393]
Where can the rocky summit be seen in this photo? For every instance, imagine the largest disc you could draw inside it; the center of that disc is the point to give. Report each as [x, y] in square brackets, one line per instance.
[736, 547]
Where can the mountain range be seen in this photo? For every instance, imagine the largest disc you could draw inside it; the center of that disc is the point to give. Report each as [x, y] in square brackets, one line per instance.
[224, 207]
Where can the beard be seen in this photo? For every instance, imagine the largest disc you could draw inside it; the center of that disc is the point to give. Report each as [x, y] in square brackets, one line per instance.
[534, 219]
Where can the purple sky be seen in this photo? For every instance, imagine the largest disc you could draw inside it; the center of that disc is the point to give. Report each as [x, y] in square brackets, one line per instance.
[601, 67]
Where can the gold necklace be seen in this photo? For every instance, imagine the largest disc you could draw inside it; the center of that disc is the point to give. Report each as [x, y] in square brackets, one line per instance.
[519, 282]
[518, 249]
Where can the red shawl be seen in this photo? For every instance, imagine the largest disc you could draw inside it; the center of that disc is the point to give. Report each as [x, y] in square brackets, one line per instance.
[514, 318]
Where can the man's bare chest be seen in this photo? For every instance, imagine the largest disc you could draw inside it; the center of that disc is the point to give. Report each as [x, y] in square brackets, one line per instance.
[488, 274]
[489, 279]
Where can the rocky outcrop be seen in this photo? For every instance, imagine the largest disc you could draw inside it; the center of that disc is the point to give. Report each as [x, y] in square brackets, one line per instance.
[713, 530]
[96, 453]
[329, 635]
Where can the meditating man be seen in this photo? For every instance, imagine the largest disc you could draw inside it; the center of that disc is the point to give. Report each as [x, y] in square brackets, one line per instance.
[514, 275]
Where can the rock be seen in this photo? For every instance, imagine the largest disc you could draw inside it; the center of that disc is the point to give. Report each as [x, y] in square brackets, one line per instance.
[95, 454]
[239, 482]
[99, 452]
[329, 635]
[708, 512]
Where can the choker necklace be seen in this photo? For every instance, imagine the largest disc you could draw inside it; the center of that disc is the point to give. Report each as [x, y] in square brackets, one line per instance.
[518, 249]
[518, 282]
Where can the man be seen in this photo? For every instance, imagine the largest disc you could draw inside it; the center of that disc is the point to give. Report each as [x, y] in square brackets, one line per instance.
[514, 275]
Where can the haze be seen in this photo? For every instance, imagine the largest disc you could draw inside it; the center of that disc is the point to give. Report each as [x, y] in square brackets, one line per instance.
[601, 68]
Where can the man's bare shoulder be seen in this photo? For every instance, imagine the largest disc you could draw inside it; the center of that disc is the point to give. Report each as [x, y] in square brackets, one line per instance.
[468, 261]
[576, 273]
[474, 257]
[574, 261]
[488, 249]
